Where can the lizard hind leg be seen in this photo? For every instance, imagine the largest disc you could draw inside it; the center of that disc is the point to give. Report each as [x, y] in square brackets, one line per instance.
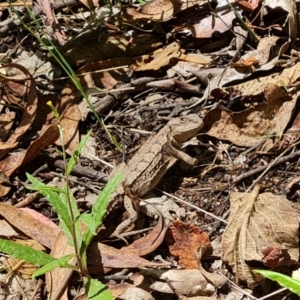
[129, 223]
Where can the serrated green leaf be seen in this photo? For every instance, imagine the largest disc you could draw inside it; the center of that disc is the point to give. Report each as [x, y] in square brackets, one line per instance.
[25, 253]
[99, 208]
[95, 290]
[60, 262]
[286, 281]
[55, 199]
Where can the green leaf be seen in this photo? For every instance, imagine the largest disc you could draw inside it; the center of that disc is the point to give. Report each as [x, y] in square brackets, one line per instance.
[286, 281]
[95, 290]
[55, 199]
[99, 208]
[60, 262]
[77, 152]
[25, 253]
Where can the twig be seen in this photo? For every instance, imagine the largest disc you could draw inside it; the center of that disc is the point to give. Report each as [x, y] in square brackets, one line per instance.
[275, 163]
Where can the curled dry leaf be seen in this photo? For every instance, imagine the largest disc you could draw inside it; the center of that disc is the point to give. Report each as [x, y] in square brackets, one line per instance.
[162, 57]
[18, 86]
[150, 242]
[187, 242]
[261, 228]
[291, 135]
[11, 163]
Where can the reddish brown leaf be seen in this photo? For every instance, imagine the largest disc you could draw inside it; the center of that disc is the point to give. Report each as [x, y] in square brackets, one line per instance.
[185, 241]
[276, 256]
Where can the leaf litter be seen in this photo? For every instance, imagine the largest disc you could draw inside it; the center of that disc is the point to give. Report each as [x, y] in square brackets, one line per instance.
[158, 60]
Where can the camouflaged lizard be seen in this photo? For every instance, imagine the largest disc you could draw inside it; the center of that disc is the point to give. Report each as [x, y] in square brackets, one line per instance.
[147, 167]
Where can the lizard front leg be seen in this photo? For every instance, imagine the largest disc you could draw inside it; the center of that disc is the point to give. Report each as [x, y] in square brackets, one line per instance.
[172, 151]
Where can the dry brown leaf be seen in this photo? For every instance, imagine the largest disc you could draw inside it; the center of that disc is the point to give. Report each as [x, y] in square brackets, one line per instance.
[29, 109]
[248, 127]
[11, 163]
[186, 242]
[39, 217]
[57, 280]
[111, 46]
[105, 79]
[194, 58]
[6, 123]
[258, 222]
[156, 10]
[150, 242]
[157, 59]
[267, 60]
[114, 258]
[6, 230]
[205, 28]
[292, 135]
[37, 230]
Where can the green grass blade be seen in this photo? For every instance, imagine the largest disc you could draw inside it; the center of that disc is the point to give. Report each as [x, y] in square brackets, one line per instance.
[95, 290]
[25, 253]
[60, 262]
[77, 152]
[286, 281]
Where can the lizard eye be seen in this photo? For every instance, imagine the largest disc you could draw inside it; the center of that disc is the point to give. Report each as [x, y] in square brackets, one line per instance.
[182, 120]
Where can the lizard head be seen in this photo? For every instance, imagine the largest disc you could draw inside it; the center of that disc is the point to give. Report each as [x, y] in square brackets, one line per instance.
[185, 127]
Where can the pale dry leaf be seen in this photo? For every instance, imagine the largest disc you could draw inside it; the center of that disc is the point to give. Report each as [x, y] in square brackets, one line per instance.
[156, 10]
[183, 280]
[6, 123]
[256, 222]
[6, 230]
[135, 293]
[205, 28]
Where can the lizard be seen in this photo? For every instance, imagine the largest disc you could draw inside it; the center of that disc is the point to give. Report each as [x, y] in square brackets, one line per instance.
[151, 162]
